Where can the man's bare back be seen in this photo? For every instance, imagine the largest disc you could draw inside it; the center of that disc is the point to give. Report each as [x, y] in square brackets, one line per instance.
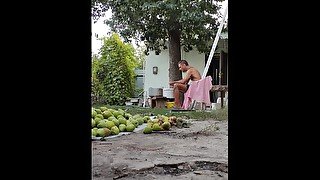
[182, 84]
[194, 74]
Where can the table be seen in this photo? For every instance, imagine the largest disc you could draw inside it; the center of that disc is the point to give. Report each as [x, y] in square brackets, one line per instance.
[158, 102]
[220, 88]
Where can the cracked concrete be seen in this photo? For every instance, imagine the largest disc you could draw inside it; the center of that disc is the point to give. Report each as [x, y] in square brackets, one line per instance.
[165, 155]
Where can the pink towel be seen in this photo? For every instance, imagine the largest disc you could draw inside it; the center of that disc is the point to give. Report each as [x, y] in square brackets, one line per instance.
[198, 91]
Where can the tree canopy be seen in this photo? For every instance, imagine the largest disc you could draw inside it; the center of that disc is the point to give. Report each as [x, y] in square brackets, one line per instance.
[164, 24]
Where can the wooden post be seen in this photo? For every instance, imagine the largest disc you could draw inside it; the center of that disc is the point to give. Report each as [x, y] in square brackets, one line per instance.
[222, 96]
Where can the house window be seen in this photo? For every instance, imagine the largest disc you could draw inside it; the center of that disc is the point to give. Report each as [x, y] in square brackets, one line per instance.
[155, 70]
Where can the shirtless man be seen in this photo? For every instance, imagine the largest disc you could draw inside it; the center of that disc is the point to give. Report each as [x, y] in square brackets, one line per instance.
[182, 85]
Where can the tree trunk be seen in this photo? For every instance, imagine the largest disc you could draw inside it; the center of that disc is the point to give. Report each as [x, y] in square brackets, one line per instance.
[174, 55]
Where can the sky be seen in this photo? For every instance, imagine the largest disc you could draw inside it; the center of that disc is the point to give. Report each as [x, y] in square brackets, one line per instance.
[102, 29]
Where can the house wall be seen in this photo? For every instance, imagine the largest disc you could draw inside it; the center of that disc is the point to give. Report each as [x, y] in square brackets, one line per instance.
[139, 78]
[161, 80]
[195, 59]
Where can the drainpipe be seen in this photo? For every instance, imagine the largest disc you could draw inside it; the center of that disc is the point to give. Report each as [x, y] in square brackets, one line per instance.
[220, 67]
[144, 79]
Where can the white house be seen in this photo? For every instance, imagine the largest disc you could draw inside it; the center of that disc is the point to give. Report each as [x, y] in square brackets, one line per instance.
[195, 59]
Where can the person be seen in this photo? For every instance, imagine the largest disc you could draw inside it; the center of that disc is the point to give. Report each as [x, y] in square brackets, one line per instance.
[182, 85]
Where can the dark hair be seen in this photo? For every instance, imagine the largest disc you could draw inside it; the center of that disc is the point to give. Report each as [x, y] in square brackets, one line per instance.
[183, 62]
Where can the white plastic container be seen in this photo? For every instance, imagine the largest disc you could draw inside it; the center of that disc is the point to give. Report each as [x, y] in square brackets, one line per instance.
[168, 93]
[158, 92]
[219, 100]
[215, 106]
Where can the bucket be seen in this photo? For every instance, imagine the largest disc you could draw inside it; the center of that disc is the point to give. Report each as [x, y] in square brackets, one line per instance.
[219, 100]
[158, 92]
[215, 106]
[170, 105]
[168, 93]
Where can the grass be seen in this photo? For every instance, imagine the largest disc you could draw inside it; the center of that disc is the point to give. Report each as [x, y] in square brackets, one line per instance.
[219, 114]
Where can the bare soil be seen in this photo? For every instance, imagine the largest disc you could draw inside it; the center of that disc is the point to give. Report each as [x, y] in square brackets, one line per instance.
[199, 152]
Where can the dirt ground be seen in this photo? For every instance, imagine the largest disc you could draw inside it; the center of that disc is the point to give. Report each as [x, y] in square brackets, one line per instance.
[199, 152]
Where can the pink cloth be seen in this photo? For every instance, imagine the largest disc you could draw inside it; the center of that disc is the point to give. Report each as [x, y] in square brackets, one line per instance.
[198, 91]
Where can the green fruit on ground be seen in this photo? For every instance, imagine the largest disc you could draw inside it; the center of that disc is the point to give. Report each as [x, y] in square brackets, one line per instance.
[115, 130]
[166, 125]
[99, 116]
[135, 122]
[103, 132]
[116, 113]
[120, 116]
[128, 122]
[122, 127]
[140, 120]
[122, 121]
[121, 111]
[165, 119]
[93, 123]
[155, 120]
[93, 113]
[116, 122]
[156, 127]
[94, 132]
[110, 124]
[130, 127]
[146, 118]
[127, 115]
[103, 108]
[98, 111]
[106, 114]
[111, 118]
[108, 132]
[173, 119]
[97, 120]
[102, 124]
[136, 116]
[147, 130]
[179, 119]
[111, 110]
[149, 125]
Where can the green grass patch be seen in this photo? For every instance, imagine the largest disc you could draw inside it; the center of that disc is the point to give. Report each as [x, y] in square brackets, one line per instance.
[219, 114]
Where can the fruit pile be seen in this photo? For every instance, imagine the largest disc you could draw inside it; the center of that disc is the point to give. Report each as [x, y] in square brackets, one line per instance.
[160, 123]
[107, 122]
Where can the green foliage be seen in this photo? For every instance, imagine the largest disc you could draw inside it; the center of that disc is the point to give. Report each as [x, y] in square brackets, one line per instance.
[113, 73]
[138, 91]
[96, 86]
[141, 56]
[151, 21]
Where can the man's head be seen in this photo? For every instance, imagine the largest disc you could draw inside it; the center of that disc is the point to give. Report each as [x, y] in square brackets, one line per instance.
[183, 65]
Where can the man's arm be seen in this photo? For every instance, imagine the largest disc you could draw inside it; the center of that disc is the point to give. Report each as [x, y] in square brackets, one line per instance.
[185, 80]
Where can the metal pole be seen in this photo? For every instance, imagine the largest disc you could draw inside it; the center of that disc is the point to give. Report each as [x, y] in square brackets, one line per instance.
[212, 49]
[215, 43]
[220, 67]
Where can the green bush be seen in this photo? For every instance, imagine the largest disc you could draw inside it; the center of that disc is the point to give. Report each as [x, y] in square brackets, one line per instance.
[113, 79]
